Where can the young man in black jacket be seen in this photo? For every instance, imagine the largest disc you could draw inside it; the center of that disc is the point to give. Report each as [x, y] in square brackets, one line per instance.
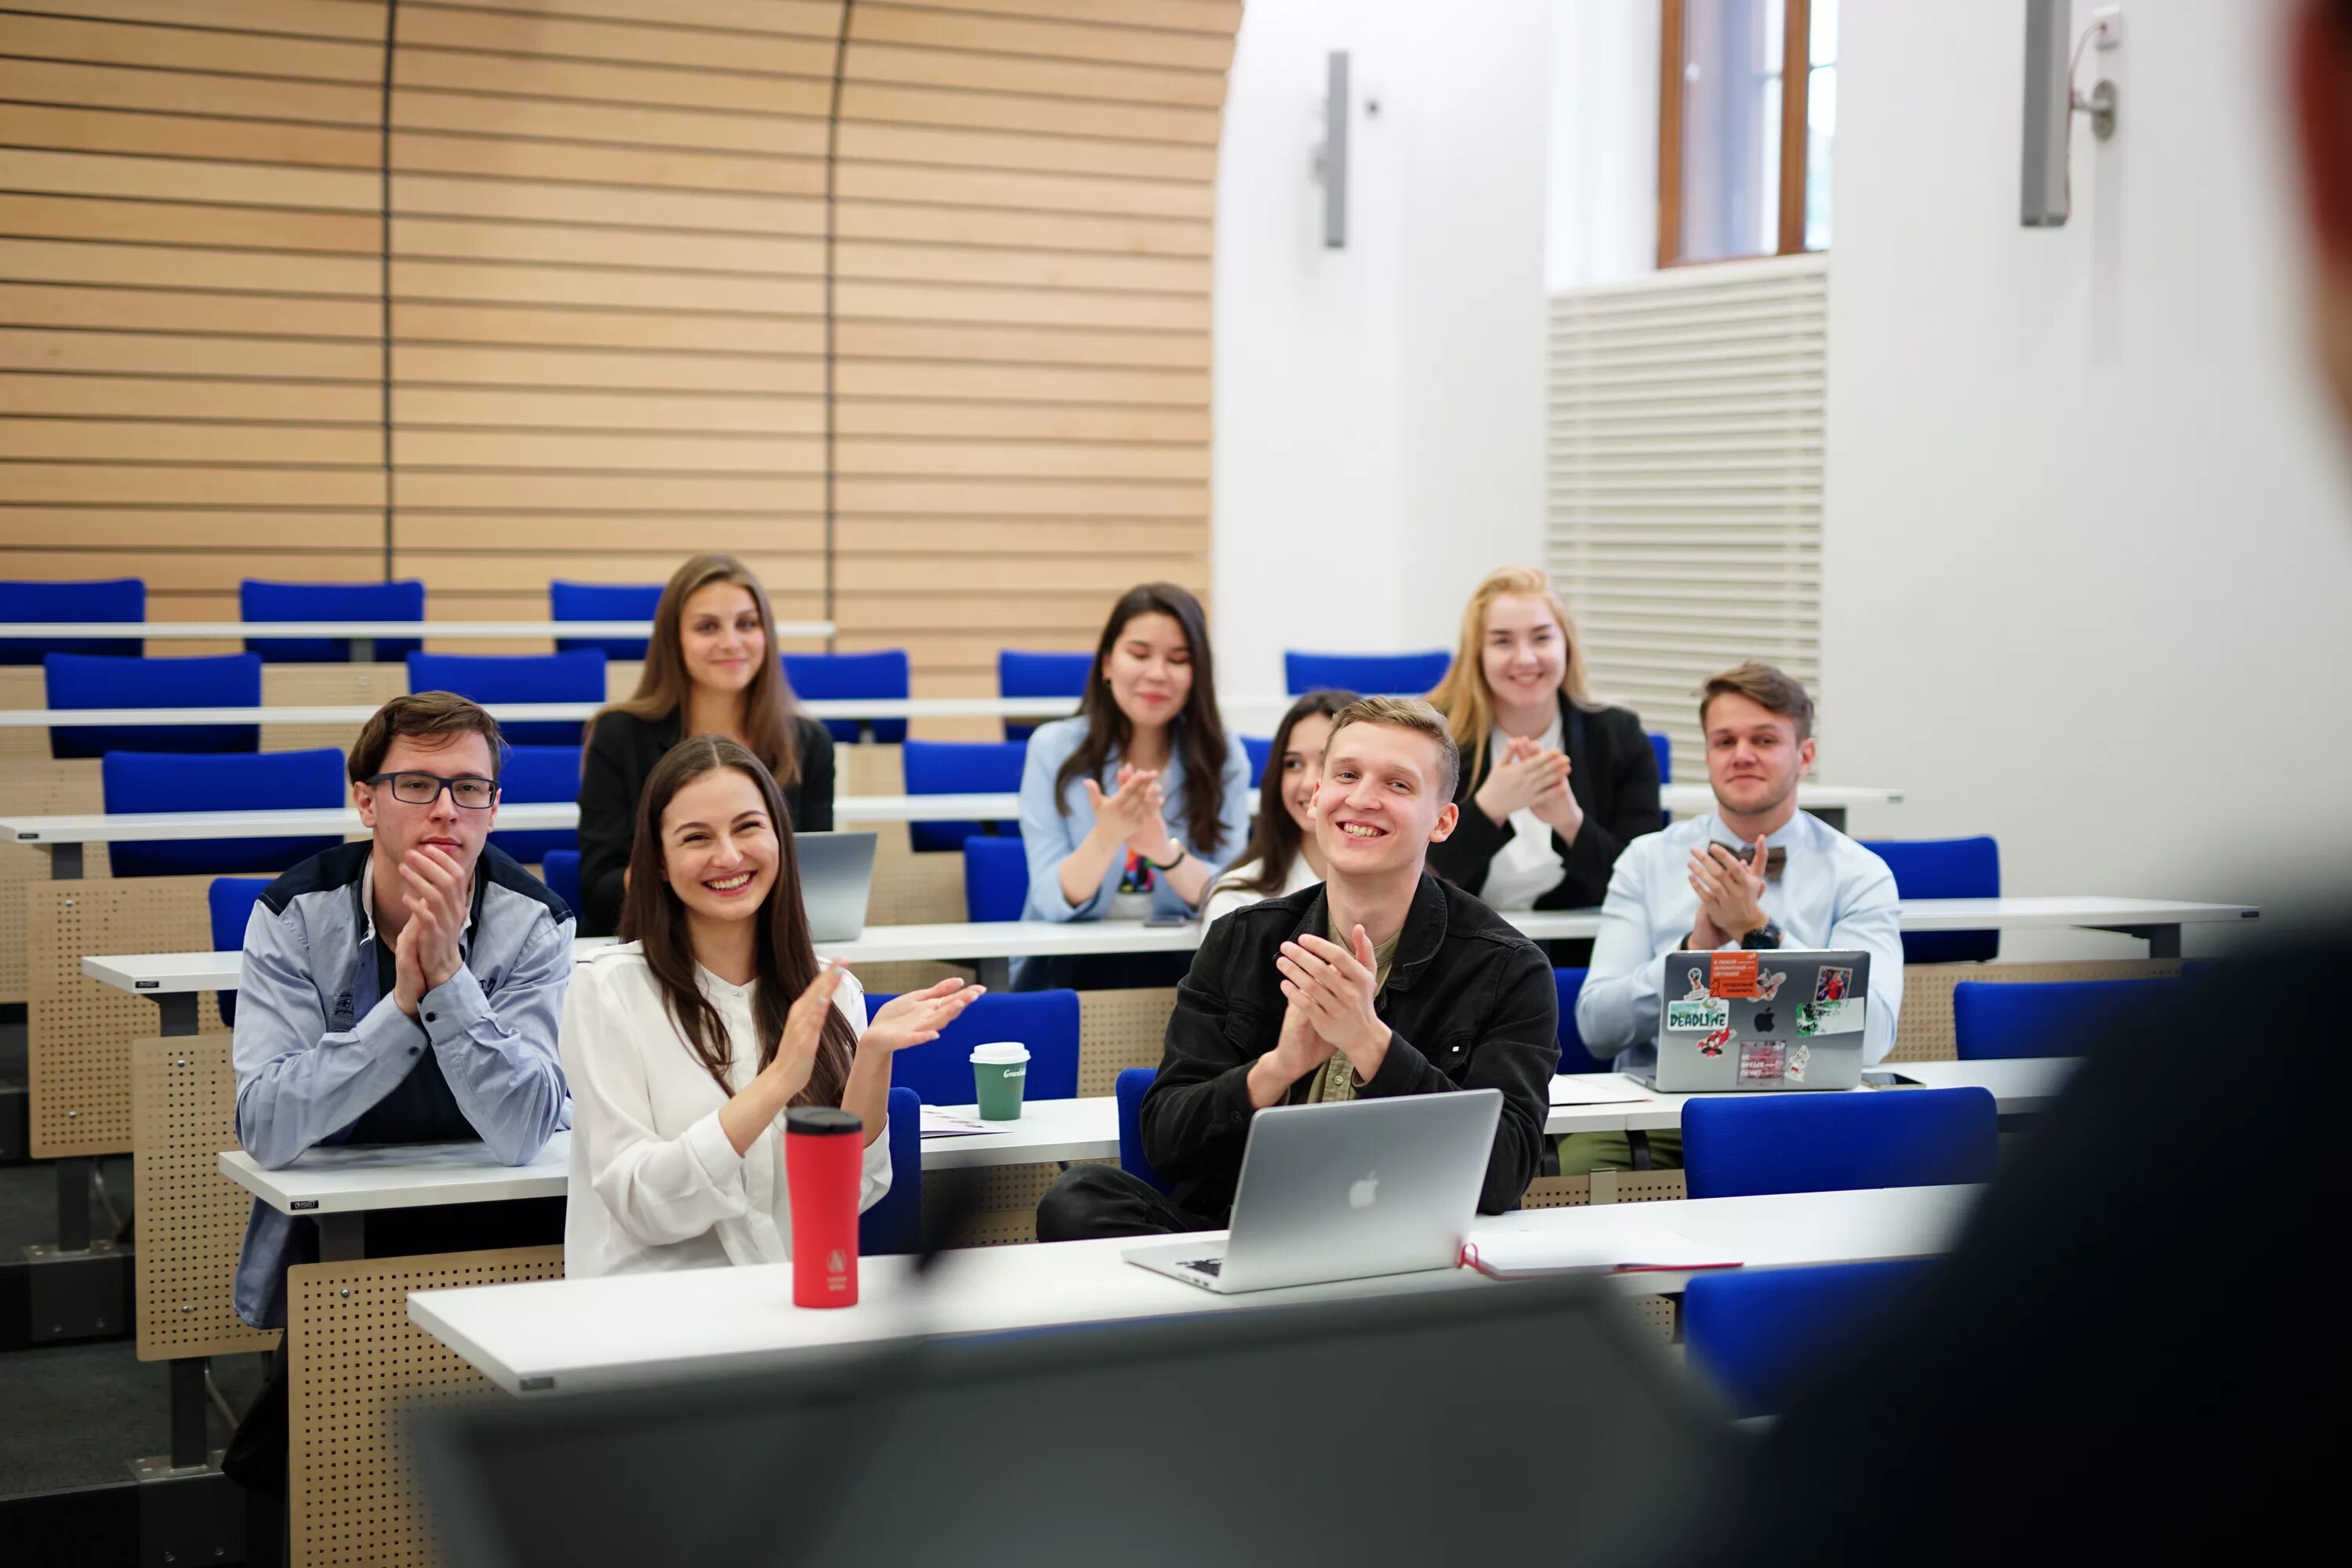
[1384, 981]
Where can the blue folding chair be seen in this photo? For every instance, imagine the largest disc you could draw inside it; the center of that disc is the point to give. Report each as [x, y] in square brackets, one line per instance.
[1020, 674]
[263, 781]
[260, 601]
[493, 679]
[962, 767]
[1131, 1085]
[230, 901]
[995, 878]
[603, 602]
[561, 872]
[537, 775]
[1760, 1335]
[850, 677]
[1260, 752]
[1993, 1021]
[1573, 1056]
[1373, 674]
[85, 680]
[1944, 869]
[1663, 747]
[1045, 1021]
[1735, 1146]
[895, 1224]
[108, 599]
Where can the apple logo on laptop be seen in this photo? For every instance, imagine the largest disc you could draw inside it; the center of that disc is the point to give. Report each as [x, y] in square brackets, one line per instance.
[1363, 1192]
[1764, 1021]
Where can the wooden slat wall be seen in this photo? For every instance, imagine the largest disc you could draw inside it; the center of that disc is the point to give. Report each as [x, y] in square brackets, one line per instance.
[610, 227]
[191, 349]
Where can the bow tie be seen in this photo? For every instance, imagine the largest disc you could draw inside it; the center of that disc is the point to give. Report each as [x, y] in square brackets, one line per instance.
[1775, 857]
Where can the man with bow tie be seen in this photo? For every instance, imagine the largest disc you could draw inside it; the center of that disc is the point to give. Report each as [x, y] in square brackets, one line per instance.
[1755, 873]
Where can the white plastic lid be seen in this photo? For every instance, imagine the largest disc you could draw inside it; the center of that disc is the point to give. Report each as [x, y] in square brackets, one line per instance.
[999, 1051]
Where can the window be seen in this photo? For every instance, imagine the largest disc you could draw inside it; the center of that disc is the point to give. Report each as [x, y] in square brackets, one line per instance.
[1743, 140]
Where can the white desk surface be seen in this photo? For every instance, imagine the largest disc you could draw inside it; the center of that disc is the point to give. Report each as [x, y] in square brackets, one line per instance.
[51, 631]
[161, 973]
[626, 1331]
[111, 828]
[351, 1181]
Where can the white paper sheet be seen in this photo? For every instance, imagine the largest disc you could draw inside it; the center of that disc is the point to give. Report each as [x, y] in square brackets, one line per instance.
[938, 1123]
[1596, 1089]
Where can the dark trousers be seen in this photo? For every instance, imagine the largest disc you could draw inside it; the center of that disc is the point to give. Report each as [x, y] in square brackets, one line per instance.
[1101, 971]
[1087, 1203]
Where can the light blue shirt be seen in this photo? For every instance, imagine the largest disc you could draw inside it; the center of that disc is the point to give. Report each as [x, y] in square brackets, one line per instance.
[1832, 894]
[1049, 835]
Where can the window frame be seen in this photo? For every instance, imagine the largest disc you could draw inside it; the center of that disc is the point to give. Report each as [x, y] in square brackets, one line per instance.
[1796, 86]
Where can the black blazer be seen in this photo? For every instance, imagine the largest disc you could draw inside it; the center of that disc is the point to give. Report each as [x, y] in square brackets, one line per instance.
[1613, 774]
[622, 751]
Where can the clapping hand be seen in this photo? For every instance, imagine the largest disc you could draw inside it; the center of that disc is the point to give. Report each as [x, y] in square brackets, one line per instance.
[1132, 813]
[1731, 894]
[918, 1016]
[1526, 775]
[425, 954]
[1334, 988]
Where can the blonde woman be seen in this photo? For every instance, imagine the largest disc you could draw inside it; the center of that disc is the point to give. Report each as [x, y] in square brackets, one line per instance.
[1554, 784]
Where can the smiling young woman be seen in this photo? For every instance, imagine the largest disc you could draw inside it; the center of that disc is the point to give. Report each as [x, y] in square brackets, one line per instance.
[712, 669]
[1282, 856]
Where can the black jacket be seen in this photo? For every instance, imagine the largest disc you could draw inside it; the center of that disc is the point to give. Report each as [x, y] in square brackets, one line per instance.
[1470, 1003]
[622, 751]
[1613, 774]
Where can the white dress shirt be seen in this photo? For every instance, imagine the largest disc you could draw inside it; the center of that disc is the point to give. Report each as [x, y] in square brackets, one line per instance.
[1528, 866]
[1227, 894]
[654, 1182]
[1834, 894]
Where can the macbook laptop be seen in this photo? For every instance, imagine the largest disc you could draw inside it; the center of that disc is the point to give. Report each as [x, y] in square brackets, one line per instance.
[1748, 1019]
[836, 875]
[1346, 1192]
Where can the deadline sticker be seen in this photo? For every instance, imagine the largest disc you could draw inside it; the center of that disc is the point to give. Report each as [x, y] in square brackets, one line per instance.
[1843, 1017]
[1699, 1017]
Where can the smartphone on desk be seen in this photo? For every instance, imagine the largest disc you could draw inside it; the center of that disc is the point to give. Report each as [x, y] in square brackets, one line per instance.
[1878, 1080]
[1165, 923]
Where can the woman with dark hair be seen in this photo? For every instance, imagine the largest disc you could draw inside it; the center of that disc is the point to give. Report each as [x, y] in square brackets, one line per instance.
[685, 1045]
[1282, 857]
[1129, 809]
[712, 669]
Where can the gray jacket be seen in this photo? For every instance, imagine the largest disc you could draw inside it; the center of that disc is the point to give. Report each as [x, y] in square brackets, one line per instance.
[318, 1044]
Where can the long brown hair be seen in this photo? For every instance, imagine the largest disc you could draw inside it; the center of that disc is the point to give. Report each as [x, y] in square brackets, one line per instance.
[652, 914]
[1464, 696]
[1200, 737]
[664, 686]
[1274, 843]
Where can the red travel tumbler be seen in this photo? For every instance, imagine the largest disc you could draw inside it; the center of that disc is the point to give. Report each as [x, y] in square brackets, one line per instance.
[824, 1155]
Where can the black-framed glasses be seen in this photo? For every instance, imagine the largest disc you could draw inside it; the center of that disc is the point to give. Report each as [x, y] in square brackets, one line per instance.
[471, 791]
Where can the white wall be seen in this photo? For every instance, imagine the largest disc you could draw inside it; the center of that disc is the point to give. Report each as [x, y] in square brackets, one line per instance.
[1602, 197]
[1378, 409]
[2089, 542]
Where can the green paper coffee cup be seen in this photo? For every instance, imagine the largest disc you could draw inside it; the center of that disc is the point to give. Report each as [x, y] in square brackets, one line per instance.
[998, 1071]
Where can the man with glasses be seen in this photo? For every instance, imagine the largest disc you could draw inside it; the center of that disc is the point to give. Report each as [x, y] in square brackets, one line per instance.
[404, 989]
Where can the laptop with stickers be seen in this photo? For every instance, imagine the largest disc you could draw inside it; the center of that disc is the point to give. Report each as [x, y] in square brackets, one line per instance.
[1744, 1019]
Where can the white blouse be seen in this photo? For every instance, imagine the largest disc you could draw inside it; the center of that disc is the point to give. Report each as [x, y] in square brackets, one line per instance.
[654, 1182]
[1228, 895]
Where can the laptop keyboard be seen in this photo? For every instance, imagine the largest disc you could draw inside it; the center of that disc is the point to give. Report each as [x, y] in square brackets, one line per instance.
[1210, 1266]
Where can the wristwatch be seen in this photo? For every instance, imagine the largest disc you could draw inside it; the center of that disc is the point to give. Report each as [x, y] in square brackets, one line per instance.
[1766, 935]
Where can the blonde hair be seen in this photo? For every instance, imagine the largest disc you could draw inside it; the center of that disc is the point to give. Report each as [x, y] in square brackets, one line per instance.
[1404, 713]
[1463, 697]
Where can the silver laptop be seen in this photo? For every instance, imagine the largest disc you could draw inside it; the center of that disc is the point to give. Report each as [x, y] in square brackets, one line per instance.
[836, 875]
[1346, 1192]
[1775, 1021]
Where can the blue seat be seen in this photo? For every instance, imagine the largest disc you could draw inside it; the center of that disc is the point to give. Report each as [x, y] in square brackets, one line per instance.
[85, 680]
[1995, 1020]
[1944, 869]
[260, 601]
[603, 602]
[1131, 1085]
[1739, 1145]
[1045, 1021]
[230, 901]
[496, 677]
[1373, 674]
[962, 767]
[108, 599]
[561, 872]
[1259, 749]
[995, 878]
[1020, 674]
[895, 1224]
[535, 775]
[1761, 1334]
[1663, 747]
[847, 677]
[1573, 1056]
[263, 781]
